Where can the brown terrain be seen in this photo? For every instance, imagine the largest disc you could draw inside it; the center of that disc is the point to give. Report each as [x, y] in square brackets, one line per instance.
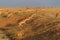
[30, 23]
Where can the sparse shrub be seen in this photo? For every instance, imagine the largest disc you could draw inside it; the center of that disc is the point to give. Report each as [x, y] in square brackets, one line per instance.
[16, 13]
[12, 34]
[3, 15]
[3, 37]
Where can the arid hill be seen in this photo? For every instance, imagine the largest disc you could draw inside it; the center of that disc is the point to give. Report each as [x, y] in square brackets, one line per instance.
[30, 23]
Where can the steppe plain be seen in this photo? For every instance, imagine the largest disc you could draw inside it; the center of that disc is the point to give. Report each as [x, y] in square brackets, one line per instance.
[29, 23]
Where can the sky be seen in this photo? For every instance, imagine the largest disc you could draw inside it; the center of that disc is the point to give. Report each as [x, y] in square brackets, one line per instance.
[29, 3]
